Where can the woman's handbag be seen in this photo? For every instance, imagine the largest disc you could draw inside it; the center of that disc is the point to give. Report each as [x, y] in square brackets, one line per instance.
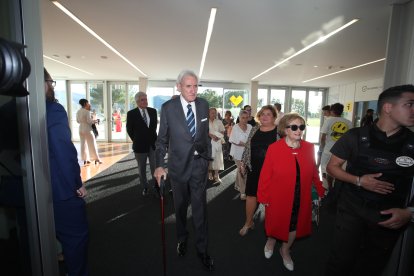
[95, 130]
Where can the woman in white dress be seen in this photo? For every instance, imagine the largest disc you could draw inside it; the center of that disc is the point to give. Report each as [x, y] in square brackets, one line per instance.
[87, 139]
[216, 133]
[238, 139]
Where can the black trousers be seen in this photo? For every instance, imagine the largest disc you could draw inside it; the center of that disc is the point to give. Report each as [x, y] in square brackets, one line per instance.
[194, 192]
[360, 246]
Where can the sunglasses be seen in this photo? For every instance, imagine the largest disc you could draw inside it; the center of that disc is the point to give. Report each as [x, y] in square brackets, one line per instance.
[296, 127]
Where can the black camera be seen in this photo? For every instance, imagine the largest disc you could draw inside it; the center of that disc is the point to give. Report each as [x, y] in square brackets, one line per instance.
[14, 69]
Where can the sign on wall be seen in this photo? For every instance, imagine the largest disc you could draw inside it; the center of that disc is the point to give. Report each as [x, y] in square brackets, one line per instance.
[368, 90]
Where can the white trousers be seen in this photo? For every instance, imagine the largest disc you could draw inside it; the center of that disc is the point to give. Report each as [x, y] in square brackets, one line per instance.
[88, 146]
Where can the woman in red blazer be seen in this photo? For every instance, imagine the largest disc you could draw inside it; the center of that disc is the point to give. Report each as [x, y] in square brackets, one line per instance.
[285, 186]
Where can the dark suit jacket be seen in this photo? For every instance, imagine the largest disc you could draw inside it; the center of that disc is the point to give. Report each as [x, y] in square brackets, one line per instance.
[142, 136]
[63, 157]
[175, 137]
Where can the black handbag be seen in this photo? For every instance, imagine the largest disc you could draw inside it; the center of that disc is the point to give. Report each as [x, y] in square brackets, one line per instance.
[95, 130]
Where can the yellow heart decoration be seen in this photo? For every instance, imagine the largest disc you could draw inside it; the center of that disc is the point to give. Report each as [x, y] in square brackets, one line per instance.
[236, 101]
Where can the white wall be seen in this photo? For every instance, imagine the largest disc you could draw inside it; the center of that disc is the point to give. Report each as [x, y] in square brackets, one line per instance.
[348, 94]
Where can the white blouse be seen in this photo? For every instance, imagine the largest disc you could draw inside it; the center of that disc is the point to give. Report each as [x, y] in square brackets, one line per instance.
[238, 135]
[84, 118]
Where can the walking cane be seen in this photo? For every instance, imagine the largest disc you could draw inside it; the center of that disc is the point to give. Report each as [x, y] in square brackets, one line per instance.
[164, 258]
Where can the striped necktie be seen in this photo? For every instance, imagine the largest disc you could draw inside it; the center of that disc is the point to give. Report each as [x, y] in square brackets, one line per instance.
[144, 117]
[191, 120]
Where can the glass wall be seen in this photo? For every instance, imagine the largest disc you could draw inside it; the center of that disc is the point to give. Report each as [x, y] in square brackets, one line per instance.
[120, 96]
[214, 97]
[278, 96]
[234, 100]
[77, 92]
[118, 111]
[314, 116]
[159, 95]
[96, 99]
[60, 93]
[305, 101]
[297, 102]
[132, 90]
[261, 98]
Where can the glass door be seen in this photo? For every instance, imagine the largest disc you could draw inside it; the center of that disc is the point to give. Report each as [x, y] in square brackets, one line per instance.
[298, 102]
[77, 92]
[118, 95]
[96, 99]
[315, 99]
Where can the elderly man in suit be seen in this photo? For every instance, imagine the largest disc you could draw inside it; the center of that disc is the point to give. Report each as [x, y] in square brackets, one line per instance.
[184, 133]
[141, 126]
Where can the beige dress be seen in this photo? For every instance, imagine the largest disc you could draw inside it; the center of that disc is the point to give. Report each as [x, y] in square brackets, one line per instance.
[216, 128]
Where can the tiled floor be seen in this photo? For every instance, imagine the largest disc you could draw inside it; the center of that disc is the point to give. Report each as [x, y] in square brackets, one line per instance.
[109, 153]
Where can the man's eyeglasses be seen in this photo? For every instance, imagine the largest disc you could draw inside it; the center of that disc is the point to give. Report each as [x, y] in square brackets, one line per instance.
[296, 127]
[52, 82]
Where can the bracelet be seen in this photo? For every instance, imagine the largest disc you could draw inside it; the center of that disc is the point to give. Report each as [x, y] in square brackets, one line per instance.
[358, 182]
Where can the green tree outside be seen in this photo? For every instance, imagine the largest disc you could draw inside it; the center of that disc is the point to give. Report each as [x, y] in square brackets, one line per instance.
[211, 97]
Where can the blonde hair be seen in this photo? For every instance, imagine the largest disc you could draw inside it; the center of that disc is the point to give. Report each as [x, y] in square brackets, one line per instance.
[266, 107]
[286, 120]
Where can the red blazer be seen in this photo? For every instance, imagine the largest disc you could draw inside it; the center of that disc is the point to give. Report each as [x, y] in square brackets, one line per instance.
[277, 186]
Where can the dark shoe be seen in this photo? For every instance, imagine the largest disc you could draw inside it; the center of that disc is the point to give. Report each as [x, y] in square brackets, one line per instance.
[86, 162]
[181, 248]
[98, 162]
[207, 261]
[145, 192]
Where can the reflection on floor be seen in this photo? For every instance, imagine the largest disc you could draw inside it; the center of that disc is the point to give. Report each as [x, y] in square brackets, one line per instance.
[110, 153]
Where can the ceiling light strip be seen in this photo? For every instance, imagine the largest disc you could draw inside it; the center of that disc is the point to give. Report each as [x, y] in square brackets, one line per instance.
[58, 61]
[320, 40]
[83, 25]
[208, 36]
[348, 69]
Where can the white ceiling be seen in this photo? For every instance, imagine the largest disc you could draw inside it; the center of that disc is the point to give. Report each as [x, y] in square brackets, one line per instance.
[162, 37]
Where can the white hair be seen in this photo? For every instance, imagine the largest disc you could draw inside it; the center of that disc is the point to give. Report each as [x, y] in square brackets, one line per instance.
[186, 73]
[139, 94]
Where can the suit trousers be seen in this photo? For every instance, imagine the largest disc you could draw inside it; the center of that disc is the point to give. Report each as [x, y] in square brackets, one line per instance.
[142, 166]
[72, 232]
[193, 191]
[360, 246]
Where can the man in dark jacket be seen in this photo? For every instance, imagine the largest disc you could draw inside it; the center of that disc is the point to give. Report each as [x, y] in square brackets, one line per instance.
[374, 204]
[141, 126]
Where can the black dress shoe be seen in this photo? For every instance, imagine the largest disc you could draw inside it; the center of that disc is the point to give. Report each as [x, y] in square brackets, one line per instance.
[181, 248]
[207, 261]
